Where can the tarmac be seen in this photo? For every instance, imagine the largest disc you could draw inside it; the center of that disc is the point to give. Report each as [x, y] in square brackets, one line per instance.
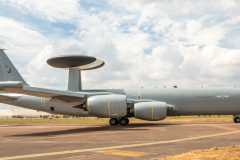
[102, 141]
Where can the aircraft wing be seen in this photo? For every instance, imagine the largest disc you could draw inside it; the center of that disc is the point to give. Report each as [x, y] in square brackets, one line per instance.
[5, 97]
[66, 97]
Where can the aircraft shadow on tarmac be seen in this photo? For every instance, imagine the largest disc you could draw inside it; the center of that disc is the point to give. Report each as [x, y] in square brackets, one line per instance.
[133, 126]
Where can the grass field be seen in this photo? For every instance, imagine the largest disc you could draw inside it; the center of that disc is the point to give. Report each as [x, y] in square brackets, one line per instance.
[215, 153]
[105, 120]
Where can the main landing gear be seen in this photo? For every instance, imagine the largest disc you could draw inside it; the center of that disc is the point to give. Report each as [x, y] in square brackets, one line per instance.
[115, 121]
[237, 119]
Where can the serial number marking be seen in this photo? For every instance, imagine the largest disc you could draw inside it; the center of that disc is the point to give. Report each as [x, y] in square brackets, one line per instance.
[204, 96]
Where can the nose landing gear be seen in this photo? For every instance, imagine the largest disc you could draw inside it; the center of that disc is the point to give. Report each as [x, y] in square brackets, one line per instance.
[115, 121]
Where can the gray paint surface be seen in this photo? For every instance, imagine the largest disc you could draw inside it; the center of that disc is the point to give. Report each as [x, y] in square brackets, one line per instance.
[203, 101]
[153, 112]
[74, 80]
[68, 61]
[8, 71]
[111, 106]
[187, 101]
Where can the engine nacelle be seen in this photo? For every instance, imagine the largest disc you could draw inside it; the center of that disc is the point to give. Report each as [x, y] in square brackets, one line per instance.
[111, 106]
[151, 111]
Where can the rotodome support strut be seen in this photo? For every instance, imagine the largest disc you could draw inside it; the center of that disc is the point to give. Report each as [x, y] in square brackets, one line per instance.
[74, 80]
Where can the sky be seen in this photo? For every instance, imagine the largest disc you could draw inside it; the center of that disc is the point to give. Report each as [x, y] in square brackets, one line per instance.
[144, 43]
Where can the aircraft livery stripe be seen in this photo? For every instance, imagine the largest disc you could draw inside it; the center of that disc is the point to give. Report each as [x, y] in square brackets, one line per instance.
[115, 147]
[109, 108]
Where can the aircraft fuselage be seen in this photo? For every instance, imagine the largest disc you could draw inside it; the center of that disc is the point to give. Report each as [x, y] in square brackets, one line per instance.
[203, 101]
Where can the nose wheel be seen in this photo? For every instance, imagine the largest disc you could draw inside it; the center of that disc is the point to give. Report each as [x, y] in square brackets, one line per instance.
[115, 121]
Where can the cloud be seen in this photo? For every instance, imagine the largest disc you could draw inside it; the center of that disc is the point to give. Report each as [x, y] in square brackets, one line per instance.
[70, 46]
[60, 10]
[40, 74]
[20, 37]
[144, 43]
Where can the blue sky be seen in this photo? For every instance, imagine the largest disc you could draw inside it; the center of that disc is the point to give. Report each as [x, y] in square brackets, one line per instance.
[145, 43]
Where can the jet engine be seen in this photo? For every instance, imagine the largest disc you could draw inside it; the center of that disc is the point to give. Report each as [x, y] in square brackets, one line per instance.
[111, 106]
[151, 111]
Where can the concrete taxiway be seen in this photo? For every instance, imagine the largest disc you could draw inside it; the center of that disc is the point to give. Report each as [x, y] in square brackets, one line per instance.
[101, 141]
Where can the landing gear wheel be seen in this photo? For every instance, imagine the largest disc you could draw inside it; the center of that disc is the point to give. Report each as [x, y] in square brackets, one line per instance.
[123, 121]
[113, 121]
[237, 120]
[127, 121]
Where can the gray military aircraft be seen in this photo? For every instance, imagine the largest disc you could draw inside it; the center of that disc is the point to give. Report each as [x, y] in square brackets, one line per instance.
[117, 104]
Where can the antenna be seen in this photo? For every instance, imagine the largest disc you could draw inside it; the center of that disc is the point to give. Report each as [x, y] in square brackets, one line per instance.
[75, 64]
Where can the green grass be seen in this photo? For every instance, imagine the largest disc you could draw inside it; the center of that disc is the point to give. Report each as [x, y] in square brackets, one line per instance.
[106, 120]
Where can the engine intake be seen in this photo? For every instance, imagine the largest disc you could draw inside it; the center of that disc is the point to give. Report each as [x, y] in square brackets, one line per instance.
[111, 106]
[152, 111]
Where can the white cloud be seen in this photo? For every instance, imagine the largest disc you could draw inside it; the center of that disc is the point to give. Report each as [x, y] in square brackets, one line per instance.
[144, 43]
[40, 74]
[60, 10]
[20, 37]
[70, 46]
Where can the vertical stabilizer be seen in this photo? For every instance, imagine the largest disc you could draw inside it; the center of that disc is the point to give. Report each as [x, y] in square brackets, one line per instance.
[7, 70]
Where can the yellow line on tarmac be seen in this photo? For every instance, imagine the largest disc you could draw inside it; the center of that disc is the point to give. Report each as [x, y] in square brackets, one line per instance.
[114, 147]
[124, 153]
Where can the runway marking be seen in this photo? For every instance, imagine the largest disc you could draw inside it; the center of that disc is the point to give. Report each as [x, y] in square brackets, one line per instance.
[114, 147]
[124, 153]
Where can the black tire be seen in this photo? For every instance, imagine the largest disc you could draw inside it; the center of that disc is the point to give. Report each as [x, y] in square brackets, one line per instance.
[113, 121]
[123, 121]
[237, 120]
[117, 121]
[127, 121]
